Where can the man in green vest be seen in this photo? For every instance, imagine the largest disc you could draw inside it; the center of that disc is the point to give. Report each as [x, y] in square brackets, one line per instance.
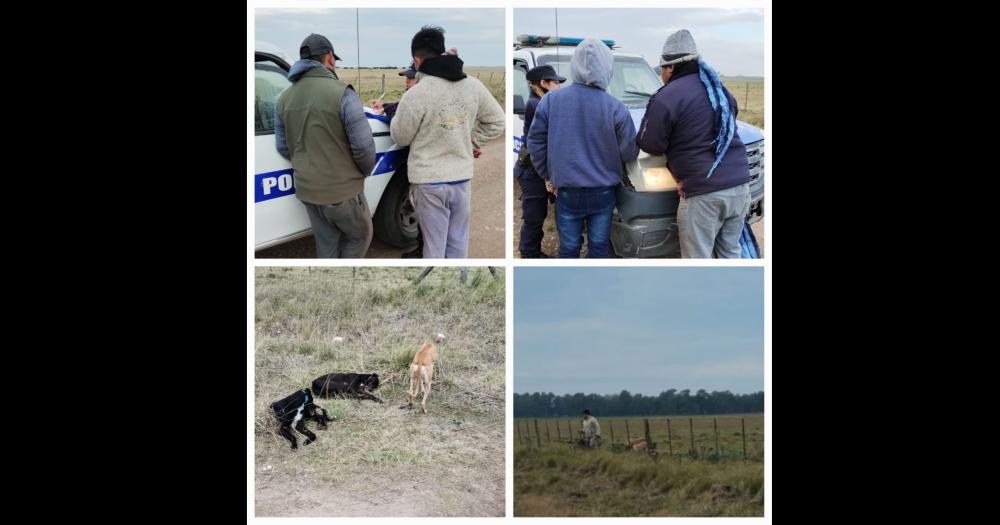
[321, 127]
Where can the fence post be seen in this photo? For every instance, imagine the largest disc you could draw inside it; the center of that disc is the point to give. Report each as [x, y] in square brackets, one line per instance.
[747, 96]
[548, 438]
[718, 451]
[691, 426]
[491, 78]
[383, 82]
[611, 425]
[628, 434]
[743, 432]
[558, 432]
[569, 431]
[670, 438]
[538, 435]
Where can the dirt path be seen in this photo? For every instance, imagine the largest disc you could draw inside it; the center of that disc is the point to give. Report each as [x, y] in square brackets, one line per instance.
[454, 472]
[486, 231]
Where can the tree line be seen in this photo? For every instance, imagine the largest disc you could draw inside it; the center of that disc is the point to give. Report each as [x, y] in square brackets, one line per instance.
[669, 403]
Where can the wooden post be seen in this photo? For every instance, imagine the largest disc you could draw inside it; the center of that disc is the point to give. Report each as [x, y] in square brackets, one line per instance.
[538, 435]
[718, 451]
[747, 96]
[691, 426]
[548, 438]
[611, 425]
[743, 432]
[517, 431]
[558, 432]
[463, 275]
[383, 82]
[569, 431]
[670, 438]
[491, 78]
[628, 434]
[649, 439]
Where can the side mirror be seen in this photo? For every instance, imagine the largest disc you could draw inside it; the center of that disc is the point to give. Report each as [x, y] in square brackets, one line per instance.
[518, 105]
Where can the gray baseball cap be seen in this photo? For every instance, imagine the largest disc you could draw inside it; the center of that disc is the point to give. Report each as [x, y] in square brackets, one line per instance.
[315, 44]
[679, 47]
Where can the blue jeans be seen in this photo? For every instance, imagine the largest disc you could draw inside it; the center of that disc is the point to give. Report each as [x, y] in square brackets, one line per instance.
[579, 207]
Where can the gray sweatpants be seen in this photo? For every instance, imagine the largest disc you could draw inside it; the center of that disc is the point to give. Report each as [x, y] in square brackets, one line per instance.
[710, 225]
[342, 230]
[443, 212]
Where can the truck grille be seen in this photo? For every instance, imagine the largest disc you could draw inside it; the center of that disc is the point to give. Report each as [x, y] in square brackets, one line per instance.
[755, 156]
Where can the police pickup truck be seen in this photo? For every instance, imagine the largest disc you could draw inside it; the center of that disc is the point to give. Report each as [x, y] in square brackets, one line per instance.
[280, 217]
[645, 218]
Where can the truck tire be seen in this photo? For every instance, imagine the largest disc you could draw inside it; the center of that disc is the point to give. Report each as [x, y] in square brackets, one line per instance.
[395, 220]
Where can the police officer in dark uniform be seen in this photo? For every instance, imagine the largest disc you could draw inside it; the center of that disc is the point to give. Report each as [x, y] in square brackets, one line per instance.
[535, 197]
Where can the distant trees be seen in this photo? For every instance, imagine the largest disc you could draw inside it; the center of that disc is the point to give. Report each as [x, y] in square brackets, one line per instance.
[624, 403]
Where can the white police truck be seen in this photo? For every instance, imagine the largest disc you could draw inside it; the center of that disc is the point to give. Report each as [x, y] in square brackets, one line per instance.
[645, 218]
[278, 216]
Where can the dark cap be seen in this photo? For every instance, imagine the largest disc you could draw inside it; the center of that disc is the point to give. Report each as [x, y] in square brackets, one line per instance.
[546, 72]
[411, 72]
[316, 45]
[586, 411]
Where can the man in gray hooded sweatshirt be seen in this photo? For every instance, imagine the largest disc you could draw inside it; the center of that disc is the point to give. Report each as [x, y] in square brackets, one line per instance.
[320, 126]
[579, 142]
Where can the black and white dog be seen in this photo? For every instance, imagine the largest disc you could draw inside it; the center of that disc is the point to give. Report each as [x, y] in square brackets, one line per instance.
[294, 410]
[347, 385]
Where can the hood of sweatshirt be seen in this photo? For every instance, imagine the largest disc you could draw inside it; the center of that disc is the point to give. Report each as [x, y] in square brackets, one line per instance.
[305, 65]
[592, 64]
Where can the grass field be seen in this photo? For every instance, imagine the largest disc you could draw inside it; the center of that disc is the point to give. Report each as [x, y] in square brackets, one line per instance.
[559, 479]
[749, 94]
[371, 82]
[379, 459]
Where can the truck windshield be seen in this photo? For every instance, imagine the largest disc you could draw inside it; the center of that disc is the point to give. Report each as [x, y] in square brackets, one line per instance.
[633, 81]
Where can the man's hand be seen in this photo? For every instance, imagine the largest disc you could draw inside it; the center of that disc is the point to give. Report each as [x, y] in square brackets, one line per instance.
[377, 106]
[550, 188]
[476, 152]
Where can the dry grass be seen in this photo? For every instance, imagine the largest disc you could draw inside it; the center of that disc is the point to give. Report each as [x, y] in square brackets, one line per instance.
[375, 459]
[749, 94]
[371, 82]
[562, 480]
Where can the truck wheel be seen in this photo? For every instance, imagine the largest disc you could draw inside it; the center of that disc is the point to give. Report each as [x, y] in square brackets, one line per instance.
[395, 220]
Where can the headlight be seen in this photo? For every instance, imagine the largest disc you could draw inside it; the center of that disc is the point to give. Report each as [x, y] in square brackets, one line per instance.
[658, 179]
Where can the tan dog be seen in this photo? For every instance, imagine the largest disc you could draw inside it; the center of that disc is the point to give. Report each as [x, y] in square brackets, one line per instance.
[636, 444]
[422, 372]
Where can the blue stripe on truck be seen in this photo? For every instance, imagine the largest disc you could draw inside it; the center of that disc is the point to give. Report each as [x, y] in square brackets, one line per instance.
[274, 184]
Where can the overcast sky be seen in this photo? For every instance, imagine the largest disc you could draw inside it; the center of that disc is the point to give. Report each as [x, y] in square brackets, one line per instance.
[386, 33]
[730, 40]
[645, 330]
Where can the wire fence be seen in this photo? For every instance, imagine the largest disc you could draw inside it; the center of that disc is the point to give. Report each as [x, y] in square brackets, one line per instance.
[708, 438]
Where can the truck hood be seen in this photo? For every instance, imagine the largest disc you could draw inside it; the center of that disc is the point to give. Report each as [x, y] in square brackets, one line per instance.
[749, 134]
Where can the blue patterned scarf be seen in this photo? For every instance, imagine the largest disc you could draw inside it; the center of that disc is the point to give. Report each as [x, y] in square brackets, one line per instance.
[724, 120]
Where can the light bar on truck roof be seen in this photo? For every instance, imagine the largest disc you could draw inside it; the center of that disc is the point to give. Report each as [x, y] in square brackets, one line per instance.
[538, 40]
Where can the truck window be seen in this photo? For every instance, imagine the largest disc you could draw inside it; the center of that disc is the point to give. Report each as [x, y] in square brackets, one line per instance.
[632, 82]
[521, 80]
[269, 82]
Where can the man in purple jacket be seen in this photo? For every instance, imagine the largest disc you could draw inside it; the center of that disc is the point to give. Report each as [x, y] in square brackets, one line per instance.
[692, 120]
[579, 142]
